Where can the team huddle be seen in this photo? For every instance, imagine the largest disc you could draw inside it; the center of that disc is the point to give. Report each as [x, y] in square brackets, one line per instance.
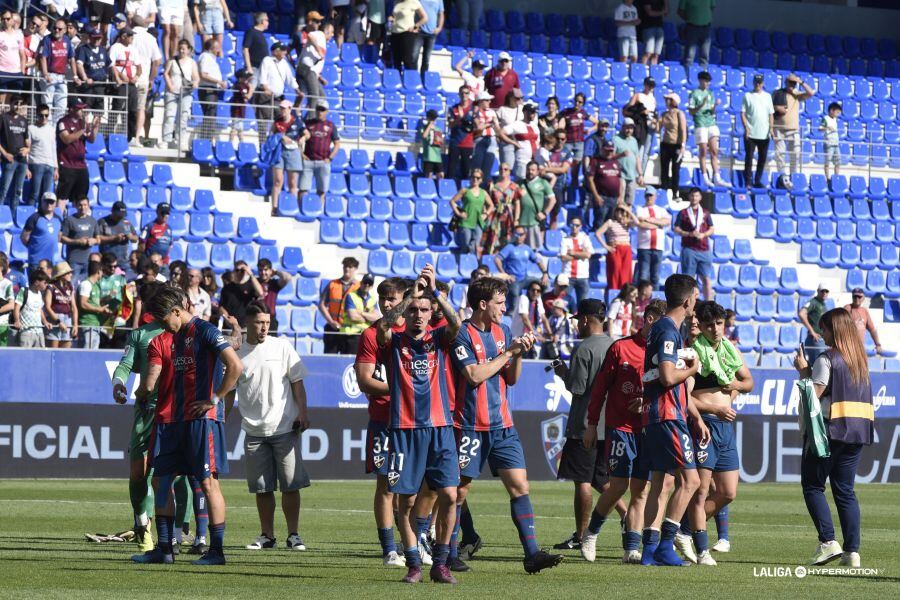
[439, 412]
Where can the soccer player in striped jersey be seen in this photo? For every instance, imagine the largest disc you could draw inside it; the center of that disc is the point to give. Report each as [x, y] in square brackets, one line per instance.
[422, 447]
[190, 435]
[666, 446]
[372, 379]
[618, 385]
[488, 360]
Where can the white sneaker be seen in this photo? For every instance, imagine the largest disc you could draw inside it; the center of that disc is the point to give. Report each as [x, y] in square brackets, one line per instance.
[826, 552]
[685, 545]
[394, 560]
[722, 183]
[631, 557]
[589, 547]
[295, 542]
[722, 545]
[425, 556]
[263, 542]
[706, 558]
[850, 559]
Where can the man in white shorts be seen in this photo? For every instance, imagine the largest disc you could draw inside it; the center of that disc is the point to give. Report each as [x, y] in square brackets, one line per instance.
[272, 400]
[171, 18]
[702, 105]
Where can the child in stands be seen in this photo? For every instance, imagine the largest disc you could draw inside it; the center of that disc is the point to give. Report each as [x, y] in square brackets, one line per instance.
[829, 126]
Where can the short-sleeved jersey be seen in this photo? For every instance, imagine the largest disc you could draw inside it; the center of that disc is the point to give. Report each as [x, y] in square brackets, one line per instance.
[483, 407]
[157, 238]
[134, 359]
[368, 353]
[663, 403]
[619, 382]
[159, 352]
[421, 380]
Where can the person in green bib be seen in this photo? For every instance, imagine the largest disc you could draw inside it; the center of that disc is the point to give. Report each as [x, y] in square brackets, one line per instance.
[91, 311]
[472, 206]
[536, 200]
[360, 311]
[702, 105]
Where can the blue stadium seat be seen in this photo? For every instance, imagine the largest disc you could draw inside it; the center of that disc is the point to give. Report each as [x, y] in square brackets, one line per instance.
[311, 208]
[889, 255]
[743, 253]
[202, 151]
[876, 282]
[113, 172]
[157, 195]
[225, 155]
[161, 175]
[727, 279]
[768, 338]
[849, 256]
[447, 267]
[748, 280]
[721, 249]
[786, 308]
[788, 339]
[765, 308]
[335, 207]
[768, 280]
[376, 235]
[401, 264]
[221, 257]
[868, 255]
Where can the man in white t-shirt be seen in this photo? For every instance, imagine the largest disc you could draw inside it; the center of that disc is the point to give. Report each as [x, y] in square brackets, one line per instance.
[28, 312]
[272, 400]
[475, 79]
[575, 252]
[528, 137]
[146, 54]
[312, 58]
[653, 222]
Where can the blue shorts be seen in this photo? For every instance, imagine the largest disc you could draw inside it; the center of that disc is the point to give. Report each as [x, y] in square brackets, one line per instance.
[194, 448]
[213, 21]
[623, 455]
[377, 444]
[291, 160]
[500, 448]
[720, 454]
[696, 263]
[667, 446]
[426, 454]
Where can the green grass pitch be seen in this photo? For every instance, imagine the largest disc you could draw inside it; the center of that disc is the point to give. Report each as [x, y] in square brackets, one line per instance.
[43, 553]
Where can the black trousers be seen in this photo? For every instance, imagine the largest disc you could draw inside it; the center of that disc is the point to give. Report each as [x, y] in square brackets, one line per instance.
[669, 166]
[426, 42]
[403, 50]
[459, 162]
[762, 148]
[127, 99]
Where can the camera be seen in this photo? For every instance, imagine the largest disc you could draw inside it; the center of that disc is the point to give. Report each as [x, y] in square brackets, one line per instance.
[553, 364]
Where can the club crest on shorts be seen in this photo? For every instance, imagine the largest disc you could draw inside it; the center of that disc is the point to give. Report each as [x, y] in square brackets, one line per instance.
[553, 437]
[464, 461]
[689, 456]
[702, 455]
[613, 463]
[393, 477]
[378, 460]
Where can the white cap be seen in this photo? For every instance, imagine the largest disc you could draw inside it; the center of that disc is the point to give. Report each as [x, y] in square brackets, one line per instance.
[504, 56]
[562, 279]
[484, 96]
[627, 121]
[560, 303]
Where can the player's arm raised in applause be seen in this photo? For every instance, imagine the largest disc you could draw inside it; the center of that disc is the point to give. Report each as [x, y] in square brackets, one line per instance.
[384, 333]
[512, 356]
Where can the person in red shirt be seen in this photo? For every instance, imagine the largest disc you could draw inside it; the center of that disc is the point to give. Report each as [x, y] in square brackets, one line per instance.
[861, 318]
[604, 182]
[618, 385]
[695, 226]
[501, 80]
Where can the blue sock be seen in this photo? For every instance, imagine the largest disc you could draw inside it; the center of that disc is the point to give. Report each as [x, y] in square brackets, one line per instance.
[164, 533]
[722, 523]
[201, 516]
[701, 541]
[454, 538]
[422, 525]
[685, 527]
[441, 552]
[596, 523]
[631, 540]
[386, 537]
[669, 529]
[467, 525]
[650, 537]
[164, 487]
[216, 537]
[523, 517]
[412, 557]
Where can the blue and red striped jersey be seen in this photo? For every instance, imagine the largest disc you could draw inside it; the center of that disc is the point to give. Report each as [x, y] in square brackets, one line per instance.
[159, 352]
[662, 403]
[483, 407]
[420, 376]
[195, 356]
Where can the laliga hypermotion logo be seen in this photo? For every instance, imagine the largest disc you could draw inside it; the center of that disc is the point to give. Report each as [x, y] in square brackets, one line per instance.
[553, 438]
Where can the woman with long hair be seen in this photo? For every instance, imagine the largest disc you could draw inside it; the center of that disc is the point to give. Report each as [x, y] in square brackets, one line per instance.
[471, 206]
[840, 378]
[614, 236]
[621, 312]
[61, 307]
[500, 224]
[511, 111]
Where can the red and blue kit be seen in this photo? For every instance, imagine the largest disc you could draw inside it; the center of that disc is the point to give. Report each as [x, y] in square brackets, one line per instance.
[377, 437]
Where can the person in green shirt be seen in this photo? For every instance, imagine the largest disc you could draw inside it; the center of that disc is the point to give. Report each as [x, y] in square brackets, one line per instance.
[476, 206]
[702, 105]
[810, 316]
[535, 203]
[626, 151]
[697, 15]
[431, 139]
[7, 300]
[758, 118]
[91, 312]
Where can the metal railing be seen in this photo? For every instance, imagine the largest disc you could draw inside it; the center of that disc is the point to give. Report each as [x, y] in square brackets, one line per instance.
[99, 105]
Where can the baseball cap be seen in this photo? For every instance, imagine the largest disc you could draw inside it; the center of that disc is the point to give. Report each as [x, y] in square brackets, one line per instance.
[758, 79]
[119, 18]
[560, 303]
[126, 31]
[164, 208]
[822, 288]
[608, 144]
[484, 96]
[118, 205]
[477, 64]
[285, 104]
[314, 15]
[504, 56]
[322, 105]
[48, 197]
[530, 106]
[367, 279]
[858, 292]
[649, 191]
[562, 279]
[277, 46]
[603, 121]
[93, 32]
[591, 307]
[628, 121]
[76, 102]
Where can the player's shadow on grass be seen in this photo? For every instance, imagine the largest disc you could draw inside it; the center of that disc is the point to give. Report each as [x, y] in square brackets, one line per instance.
[225, 570]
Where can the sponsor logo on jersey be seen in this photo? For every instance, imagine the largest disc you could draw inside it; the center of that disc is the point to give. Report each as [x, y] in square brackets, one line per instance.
[553, 439]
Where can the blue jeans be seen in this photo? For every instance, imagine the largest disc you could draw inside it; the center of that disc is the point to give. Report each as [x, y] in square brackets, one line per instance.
[468, 239]
[484, 155]
[515, 290]
[645, 149]
[507, 155]
[13, 174]
[648, 266]
[840, 469]
[56, 94]
[581, 286]
[41, 181]
[813, 348]
[470, 13]
[696, 36]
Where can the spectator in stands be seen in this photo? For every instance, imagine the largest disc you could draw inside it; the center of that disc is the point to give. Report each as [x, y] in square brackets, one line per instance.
[562, 334]
[375, 28]
[156, 237]
[509, 113]
[475, 80]
[293, 134]
[311, 59]
[80, 231]
[207, 290]
[652, 222]
[578, 125]
[465, 311]
[12, 56]
[71, 132]
[40, 234]
[126, 71]
[537, 201]
[644, 297]
[786, 132]
[145, 9]
[241, 96]
[471, 207]
[31, 44]
[549, 121]
[593, 145]
[673, 137]
[627, 153]
[500, 223]
[830, 128]
[809, 317]
[91, 312]
[60, 307]
[182, 77]
[323, 143]
[575, 252]
[513, 262]
[256, 47]
[620, 318]
[651, 13]
[15, 144]
[92, 65]
[176, 271]
[28, 313]
[112, 295]
[360, 311]
[212, 83]
[486, 131]
[626, 18]
[42, 154]
[46, 266]
[731, 330]
[501, 80]
[527, 135]
[434, 11]
[431, 139]
[340, 16]
[331, 305]
[697, 15]
[702, 104]
[470, 14]
[530, 317]
[148, 56]
[615, 237]
[461, 122]
[559, 291]
[695, 226]
[243, 289]
[605, 184]
[641, 107]
[272, 282]
[102, 12]
[409, 17]
[555, 159]
[117, 233]
[171, 20]
[758, 118]
[861, 317]
[212, 17]
[56, 56]
[275, 75]
[7, 299]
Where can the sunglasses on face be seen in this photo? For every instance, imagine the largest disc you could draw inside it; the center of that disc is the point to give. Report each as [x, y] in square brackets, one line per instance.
[504, 168]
